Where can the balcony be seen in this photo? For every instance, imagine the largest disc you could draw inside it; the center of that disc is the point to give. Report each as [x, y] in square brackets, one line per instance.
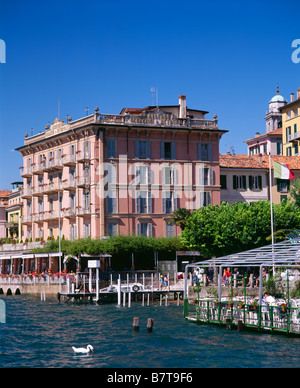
[51, 215]
[157, 120]
[69, 184]
[53, 164]
[38, 191]
[83, 181]
[38, 217]
[69, 160]
[11, 225]
[52, 188]
[26, 172]
[26, 219]
[38, 168]
[27, 193]
[68, 213]
[84, 211]
[294, 136]
[83, 156]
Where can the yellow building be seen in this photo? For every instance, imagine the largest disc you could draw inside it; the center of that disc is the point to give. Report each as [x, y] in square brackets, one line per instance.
[291, 126]
[14, 211]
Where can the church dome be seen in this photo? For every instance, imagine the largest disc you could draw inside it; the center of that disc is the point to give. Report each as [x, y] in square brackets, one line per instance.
[278, 97]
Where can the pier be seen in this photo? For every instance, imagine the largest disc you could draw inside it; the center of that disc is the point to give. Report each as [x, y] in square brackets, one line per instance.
[255, 305]
[122, 288]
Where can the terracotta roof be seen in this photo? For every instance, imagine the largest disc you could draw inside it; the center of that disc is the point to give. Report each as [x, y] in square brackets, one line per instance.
[4, 193]
[276, 132]
[252, 161]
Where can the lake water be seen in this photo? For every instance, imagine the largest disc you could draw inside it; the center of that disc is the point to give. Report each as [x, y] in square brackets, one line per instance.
[41, 333]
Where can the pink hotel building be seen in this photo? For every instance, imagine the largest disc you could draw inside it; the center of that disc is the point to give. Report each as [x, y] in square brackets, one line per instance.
[124, 174]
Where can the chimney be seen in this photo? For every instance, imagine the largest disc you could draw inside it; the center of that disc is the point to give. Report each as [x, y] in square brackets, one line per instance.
[298, 94]
[182, 107]
[292, 97]
[260, 158]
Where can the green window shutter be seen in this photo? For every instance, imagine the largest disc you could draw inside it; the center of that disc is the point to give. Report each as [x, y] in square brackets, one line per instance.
[295, 128]
[260, 182]
[278, 185]
[244, 182]
[250, 182]
[223, 181]
[234, 182]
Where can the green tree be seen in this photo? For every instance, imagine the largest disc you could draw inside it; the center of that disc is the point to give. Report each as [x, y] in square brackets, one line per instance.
[226, 229]
[295, 191]
[180, 217]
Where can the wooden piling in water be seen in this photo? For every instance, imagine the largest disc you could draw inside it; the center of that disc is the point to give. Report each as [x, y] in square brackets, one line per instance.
[150, 325]
[240, 325]
[136, 323]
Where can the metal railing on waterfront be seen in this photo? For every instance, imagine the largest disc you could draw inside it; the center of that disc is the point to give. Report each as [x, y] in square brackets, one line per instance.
[279, 318]
[32, 279]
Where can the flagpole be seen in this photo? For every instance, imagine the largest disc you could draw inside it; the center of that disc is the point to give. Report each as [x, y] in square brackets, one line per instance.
[271, 199]
[271, 204]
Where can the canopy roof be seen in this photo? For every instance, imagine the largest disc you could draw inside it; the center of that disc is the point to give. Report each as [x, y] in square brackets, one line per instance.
[283, 253]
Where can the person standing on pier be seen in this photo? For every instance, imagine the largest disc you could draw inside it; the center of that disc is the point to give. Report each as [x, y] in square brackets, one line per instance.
[166, 280]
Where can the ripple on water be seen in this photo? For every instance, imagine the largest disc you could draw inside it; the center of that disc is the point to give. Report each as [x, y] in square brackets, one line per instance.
[41, 334]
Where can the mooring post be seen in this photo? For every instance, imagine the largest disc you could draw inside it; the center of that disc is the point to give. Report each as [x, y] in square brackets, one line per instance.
[240, 325]
[119, 291]
[143, 300]
[148, 299]
[129, 299]
[150, 325]
[160, 299]
[124, 299]
[136, 323]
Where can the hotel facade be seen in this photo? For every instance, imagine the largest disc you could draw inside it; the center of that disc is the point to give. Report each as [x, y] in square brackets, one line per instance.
[106, 175]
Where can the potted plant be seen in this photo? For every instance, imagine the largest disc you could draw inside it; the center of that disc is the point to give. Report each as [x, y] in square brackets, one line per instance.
[254, 305]
[230, 303]
[241, 305]
[216, 303]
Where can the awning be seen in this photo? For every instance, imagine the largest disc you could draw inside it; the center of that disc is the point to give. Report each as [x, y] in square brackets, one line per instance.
[4, 257]
[27, 256]
[95, 256]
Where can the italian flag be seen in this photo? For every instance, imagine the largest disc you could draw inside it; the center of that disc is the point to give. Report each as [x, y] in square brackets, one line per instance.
[282, 171]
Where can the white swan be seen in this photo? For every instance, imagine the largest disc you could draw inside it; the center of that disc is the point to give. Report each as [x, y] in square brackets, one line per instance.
[83, 350]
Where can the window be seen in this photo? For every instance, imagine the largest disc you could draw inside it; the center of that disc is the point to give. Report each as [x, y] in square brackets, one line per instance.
[142, 149]
[143, 175]
[169, 175]
[143, 202]
[255, 182]
[205, 198]
[289, 151]
[205, 152]
[168, 150]
[111, 202]
[86, 230]
[206, 175]
[111, 148]
[283, 185]
[72, 232]
[144, 229]
[169, 229]
[223, 181]
[112, 229]
[239, 182]
[278, 148]
[169, 202]
[283, 198]
[296, 149]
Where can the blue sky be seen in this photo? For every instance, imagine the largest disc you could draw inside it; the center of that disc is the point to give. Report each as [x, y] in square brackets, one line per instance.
[226, 57]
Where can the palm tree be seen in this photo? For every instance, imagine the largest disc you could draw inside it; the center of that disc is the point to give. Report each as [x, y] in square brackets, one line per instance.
[180, 217]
